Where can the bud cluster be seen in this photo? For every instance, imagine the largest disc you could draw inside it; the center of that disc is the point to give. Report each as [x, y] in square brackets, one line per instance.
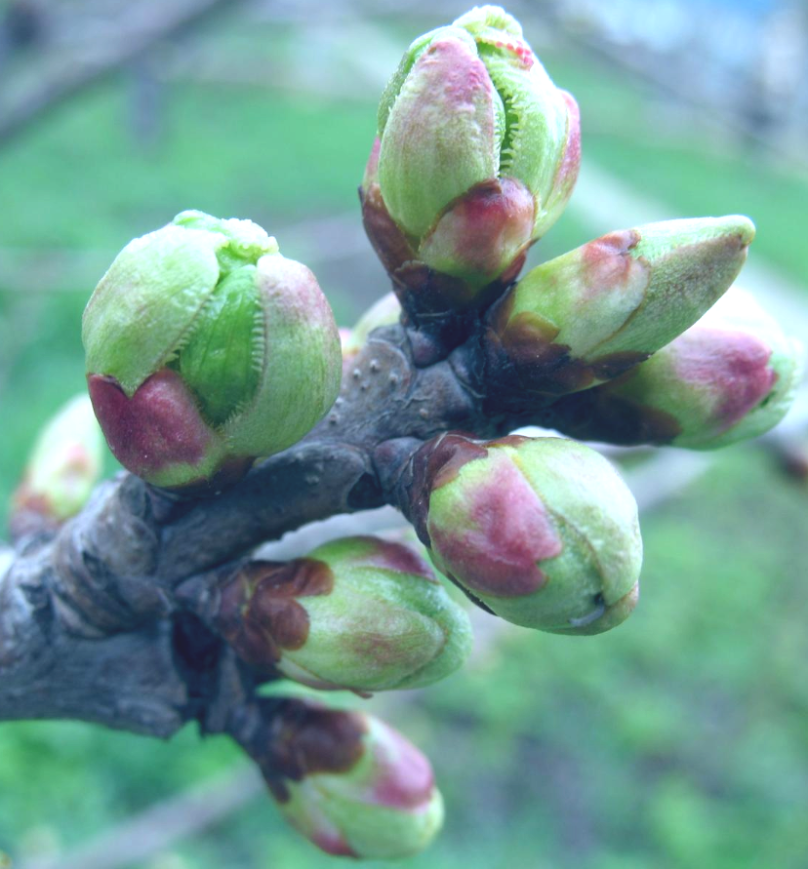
[207, 349]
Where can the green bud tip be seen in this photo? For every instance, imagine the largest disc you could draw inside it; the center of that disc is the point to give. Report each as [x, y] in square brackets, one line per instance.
[542, 532]
[592, 314]
[358, 613]
[351, 784]
[206, 348]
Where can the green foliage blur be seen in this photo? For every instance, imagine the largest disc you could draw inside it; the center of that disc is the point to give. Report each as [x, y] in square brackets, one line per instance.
[679, 739]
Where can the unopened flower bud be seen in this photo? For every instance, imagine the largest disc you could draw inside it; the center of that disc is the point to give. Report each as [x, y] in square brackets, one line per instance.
[205, 349]
[358, 613]
[384, 312]
[593, 313]
[350, 783]
[62, 470]
[542, 531]
[731, 376]
[477, 155]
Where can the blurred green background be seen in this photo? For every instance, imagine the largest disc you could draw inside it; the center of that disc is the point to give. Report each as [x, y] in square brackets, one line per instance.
[680, 739]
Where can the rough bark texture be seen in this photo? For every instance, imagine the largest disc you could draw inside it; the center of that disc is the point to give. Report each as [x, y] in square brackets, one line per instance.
[100, 622]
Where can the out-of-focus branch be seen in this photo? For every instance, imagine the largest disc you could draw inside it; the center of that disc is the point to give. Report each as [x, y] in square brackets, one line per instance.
[161, 825]
[141, 28]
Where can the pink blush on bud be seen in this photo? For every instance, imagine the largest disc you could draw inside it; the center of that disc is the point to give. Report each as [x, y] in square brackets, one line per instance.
[483, 230]
[333, 843]
[733, 366]
[454, 68]
[519, 49]
[608, 265]
[372, 167]
[405, 779]
[399, 558]
[570, 163]
[498, 544]
[157, 427]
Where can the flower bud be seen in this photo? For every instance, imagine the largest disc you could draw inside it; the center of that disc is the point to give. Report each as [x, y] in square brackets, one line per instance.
[731, 376]
[358, 613]
[384, 312]
[477, 155]
[593, 313]
[543, 532]
[350, 783]
[62, 470]
[205, 349]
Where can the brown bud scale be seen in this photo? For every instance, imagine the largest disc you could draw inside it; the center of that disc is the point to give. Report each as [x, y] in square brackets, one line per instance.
[307, 740]
[438, 462]
[258, 611]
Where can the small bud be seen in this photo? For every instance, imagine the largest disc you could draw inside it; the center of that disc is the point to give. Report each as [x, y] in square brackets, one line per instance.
[64, 466]
[591, 314]
[477, 155]
[731, 376]
[384, 312]
[205, 349]
[350, 783]
[358, 613]
[543, 532]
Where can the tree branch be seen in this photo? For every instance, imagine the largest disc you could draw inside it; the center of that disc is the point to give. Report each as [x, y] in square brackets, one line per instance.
[139, 33]
[97, 622]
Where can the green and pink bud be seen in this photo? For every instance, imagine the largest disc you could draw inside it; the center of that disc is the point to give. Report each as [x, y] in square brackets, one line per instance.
[595, 312]
[64, 466]
[205, 349]
[358, 613]
[351, 784]
[542, 532]
[730, 377]
[477, 155]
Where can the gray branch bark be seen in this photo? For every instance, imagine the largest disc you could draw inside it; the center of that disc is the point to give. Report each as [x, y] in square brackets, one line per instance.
[97, 622]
